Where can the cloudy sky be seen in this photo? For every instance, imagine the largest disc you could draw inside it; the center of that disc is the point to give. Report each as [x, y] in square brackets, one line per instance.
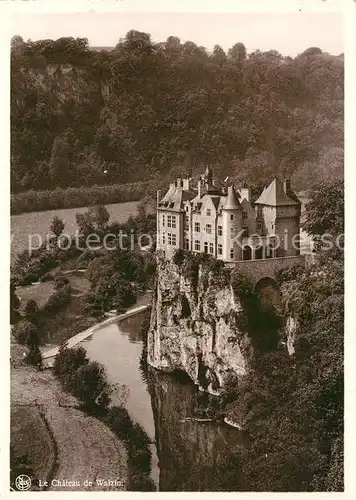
[290, 32]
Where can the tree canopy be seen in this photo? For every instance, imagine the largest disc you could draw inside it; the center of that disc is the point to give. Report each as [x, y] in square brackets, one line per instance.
[144, 110]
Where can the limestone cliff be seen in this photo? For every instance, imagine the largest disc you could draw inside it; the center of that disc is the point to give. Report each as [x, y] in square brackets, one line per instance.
[197, 327]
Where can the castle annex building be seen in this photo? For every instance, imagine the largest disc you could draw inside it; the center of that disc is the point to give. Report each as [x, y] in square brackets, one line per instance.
[218, 219]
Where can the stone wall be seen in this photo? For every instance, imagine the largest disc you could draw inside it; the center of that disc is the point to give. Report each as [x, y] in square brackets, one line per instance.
[265, 268]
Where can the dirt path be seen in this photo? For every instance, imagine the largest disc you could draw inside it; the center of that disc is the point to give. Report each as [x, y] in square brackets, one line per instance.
[78, 448]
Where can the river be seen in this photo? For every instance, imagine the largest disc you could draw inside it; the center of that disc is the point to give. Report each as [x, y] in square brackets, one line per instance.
[186, 452]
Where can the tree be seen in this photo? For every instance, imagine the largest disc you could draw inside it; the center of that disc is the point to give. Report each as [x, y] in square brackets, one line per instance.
[66, 364]
[57, 226]
[14, 302]
[31, 310]
[90, 384]
[26, 333]
[325, 211]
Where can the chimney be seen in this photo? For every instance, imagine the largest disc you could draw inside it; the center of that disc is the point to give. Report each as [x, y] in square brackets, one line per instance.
[179, 182]
[245, 193]
[187, 184]
[158, 195]
[286, 186]
[200, 183]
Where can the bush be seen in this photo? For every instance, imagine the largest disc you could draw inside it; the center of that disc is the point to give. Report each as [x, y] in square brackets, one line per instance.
[66, 363]
[31, 310]
[120, 422]
[241, 286]
[26, 333]
[58, 300]
[34, 357]
[90, 383]
[60, 282]
[179, 257]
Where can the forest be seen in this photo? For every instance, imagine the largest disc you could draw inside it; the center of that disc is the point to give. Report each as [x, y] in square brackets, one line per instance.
[148, 111]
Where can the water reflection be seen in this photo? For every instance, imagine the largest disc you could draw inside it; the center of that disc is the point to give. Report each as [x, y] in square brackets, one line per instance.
[189, 452]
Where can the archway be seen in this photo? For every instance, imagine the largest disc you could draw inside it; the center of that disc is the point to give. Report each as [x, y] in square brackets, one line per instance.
[258, 253]
[247, 253]
[268, 292]
[269, 251]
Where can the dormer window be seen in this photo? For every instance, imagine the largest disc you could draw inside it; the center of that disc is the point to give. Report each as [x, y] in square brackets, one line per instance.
[208, 212]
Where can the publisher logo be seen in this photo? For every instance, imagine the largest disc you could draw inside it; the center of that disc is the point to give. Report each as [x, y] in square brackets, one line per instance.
[23, 482]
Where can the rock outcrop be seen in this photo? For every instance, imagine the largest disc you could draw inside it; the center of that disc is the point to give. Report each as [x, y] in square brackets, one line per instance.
[197, 327]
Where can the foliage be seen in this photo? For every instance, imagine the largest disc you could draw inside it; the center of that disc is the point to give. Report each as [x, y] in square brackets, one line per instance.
[90, 385]
[325, 211]
[14, 302]
[34, 357]
[58, 300]
[66, 363]
[293, 404]
[60, 282]
[26, 333]
[71, 197]
[76, 122]
[116, 277]
[31, 310]
[57, 226]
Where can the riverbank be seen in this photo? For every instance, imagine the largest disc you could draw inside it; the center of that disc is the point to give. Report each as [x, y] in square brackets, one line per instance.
[76, 339]
[64, 446]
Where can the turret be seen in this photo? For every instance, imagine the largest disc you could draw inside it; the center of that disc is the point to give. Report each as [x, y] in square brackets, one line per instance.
[232, 225]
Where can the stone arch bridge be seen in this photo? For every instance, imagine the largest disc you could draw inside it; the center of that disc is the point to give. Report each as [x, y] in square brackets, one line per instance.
[262, 274]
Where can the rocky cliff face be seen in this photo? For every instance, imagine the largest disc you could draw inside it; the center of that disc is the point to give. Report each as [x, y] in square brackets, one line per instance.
[197, 327]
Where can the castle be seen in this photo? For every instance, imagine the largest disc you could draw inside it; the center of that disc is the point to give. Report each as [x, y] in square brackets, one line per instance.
[216, 218]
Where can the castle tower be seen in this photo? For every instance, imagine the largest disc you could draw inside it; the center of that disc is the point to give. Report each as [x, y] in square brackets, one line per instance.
[281, 213]
[232, 225]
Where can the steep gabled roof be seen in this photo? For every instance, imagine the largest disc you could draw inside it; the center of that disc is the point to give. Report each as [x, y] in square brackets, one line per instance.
[274, 196]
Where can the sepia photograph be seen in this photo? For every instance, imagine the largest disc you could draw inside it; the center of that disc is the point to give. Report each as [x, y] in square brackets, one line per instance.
[177, 250]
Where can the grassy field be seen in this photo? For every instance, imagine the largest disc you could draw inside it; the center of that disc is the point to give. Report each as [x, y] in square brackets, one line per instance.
[38, 223]
[67, 322]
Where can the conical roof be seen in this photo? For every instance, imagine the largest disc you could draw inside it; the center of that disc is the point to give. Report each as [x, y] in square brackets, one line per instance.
[232, 201]
[274, 196]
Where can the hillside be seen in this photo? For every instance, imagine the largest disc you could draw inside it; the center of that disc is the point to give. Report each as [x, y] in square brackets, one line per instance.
[145, 110]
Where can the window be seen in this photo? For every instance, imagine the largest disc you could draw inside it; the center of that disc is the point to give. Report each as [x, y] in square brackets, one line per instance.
[219, 249]
[244, 215]
[232, 232]
[219, 230]
[259, 226]
[245, 233]
[231, 253]
[163, 239]
[208, 229]
[208, 212]
[211, 248]
[206, 247]
[171, 221]
[186, 244]
[163, 220]
[231, 216]
[187, 223]
[197, 227]
[186, 208]
[172, 239]
[197, 245]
